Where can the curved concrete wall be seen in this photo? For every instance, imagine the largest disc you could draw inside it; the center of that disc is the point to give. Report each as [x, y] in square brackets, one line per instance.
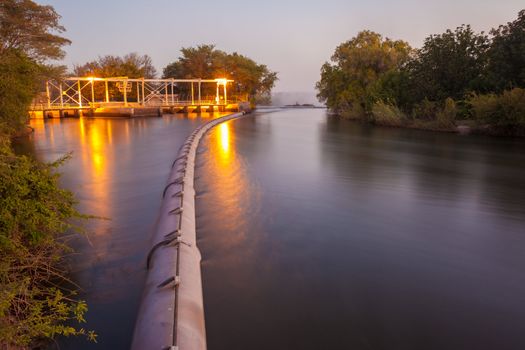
[171, 314]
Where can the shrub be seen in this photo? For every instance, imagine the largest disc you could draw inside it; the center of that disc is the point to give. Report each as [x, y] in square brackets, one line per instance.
[34, 215]
[506, 110]
[447, 116]
[387, 114]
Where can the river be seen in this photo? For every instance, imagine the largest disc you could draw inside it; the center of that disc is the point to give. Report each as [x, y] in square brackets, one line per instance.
[319, 233]
[118, 169]
[316, 233]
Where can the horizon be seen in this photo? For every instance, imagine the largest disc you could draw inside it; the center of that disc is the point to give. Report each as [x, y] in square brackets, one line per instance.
[155, 28]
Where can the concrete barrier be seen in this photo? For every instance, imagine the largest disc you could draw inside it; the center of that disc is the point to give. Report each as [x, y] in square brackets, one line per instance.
[171, 314]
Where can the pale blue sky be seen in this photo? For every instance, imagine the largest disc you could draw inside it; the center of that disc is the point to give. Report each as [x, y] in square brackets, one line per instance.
[293, 38]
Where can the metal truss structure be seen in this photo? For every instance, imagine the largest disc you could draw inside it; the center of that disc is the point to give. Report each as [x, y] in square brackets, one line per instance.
[92, 92]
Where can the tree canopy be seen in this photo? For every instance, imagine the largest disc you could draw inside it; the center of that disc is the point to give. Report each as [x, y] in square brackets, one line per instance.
[506, 56]
[456, 74]
[205, 61]
[31, 28]
[449, 64]
[131, 65]
[358, 65]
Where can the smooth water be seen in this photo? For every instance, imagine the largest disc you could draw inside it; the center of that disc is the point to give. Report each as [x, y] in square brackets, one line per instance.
[318, 233]
[315, 233]
[118, 169]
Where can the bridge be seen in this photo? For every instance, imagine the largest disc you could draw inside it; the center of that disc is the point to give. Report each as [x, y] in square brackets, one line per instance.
[123, 96]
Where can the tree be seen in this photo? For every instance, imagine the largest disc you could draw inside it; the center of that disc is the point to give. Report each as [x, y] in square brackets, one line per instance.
[350, 82]
[131, 65]
[449, 65]
[506, 56]
[204, 61]
[18, 85]
[27, 40]
[28, 27]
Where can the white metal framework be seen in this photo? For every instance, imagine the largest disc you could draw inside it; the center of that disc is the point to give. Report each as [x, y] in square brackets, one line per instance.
[92, 92]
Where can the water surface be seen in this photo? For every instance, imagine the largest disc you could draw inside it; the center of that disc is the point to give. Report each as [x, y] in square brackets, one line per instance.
[118, 169]
[318, 233]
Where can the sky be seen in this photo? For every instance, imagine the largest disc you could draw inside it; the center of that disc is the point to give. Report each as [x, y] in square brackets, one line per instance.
[292, 37]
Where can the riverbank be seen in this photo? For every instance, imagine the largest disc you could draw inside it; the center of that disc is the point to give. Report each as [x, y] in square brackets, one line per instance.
[465, 127]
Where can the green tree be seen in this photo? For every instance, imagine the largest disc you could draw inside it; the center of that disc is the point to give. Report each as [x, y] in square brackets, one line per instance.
[449, 65]
[506, 56]
[131, 65]
[28, 37]
[351, 82]
[204, 61]
[17, 88]
[29, 28]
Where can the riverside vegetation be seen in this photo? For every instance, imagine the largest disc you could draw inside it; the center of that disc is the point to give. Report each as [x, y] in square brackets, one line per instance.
[35, 213]
[458, 78]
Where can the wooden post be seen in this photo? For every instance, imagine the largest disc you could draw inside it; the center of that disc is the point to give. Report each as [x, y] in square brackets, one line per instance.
[107, 92]
[217, 95]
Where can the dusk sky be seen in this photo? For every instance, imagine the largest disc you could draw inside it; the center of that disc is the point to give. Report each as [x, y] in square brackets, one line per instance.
[293, 38]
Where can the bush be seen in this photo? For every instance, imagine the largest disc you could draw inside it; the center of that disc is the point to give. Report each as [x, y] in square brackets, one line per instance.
[506, 110]
[446, 117]
[425, 110]
[34, 215]
[387, 114]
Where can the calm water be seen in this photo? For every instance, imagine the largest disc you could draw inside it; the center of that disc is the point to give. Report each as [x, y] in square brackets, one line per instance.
[326, 234]
[118, 170]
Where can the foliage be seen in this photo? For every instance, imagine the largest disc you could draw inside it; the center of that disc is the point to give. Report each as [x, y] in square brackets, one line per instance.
[449, 65]
[17, 88]
[506, 68]
[205, 61]
[503, 110]
[458, 74]
[34, 214]
[131, 65]
[387, 114]
[447, 116]
[28, 27]
[34, 211]
[358, 65]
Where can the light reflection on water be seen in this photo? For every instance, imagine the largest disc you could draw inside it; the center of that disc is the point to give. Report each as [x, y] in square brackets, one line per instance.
[118, 170]
[234, 197]
[324, 234]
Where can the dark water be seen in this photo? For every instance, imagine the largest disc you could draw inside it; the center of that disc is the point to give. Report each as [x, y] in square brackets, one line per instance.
[326, 234]
[118, 170]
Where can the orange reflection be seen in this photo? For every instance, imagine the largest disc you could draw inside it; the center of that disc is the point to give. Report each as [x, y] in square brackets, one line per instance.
[230, 188]
[224, 135]
[95, 135]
